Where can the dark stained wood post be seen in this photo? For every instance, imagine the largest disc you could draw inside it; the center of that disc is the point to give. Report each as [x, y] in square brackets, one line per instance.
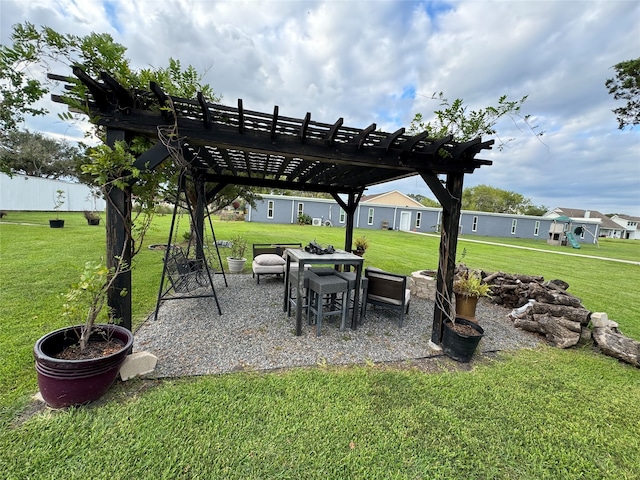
[350, 211]
[118, 218]
[451, 201]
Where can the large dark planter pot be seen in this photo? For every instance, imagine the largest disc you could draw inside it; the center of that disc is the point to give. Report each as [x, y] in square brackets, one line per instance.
[458, 346]
[64, 383]
[93, 221]
[56, 223]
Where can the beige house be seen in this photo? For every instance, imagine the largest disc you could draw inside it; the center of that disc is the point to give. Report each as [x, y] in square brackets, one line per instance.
[393, 198]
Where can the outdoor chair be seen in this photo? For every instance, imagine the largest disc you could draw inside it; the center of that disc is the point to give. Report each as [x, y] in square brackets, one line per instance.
[388, 290]
[317, 309]
[364, 287]
[293, 285]
[268, 259]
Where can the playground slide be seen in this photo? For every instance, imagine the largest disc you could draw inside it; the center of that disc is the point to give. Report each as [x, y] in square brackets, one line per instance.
[572, 240]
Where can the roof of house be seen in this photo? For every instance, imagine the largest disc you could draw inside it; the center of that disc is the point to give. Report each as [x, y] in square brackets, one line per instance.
[629, 217]
[387, 198]
[605, 222]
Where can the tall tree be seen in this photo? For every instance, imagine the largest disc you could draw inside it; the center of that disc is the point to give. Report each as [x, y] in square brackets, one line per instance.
[28, 153]
[626, 86]
[34, 52]
[484, 198]
[426, 201]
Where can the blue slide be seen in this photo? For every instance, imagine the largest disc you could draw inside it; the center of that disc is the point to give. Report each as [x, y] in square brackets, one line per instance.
[572, 240]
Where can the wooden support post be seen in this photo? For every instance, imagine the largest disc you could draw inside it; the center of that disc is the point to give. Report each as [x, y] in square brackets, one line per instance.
[451, 200]
[118, 218]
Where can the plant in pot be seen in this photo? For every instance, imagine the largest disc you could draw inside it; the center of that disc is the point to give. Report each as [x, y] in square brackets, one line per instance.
[468, 287]
[460, 335]
[92, 217]
[237, 259]
[361, 244]
[77, 364]
[57, 203]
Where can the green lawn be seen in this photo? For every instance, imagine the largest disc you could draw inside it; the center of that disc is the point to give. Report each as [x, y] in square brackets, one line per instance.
[535, 414]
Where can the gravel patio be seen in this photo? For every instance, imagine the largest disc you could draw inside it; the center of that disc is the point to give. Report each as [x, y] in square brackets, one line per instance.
[253, 333]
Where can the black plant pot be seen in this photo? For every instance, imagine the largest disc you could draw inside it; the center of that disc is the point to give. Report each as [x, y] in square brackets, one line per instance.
[56, 223]
[93, 221]
[458, 346]
[64, 383]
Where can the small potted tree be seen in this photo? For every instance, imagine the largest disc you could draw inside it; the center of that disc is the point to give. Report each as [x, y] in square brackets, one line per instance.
[462, 334]
[237, 259]
[77, 364]
[57, 203]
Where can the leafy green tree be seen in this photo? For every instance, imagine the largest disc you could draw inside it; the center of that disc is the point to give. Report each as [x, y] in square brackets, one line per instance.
[626, 86]
[426, 201]
[484, 198]
[28, 153]
[455, 118]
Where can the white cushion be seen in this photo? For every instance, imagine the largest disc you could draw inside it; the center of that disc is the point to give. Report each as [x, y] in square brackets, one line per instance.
[263, 269]
[269, 259]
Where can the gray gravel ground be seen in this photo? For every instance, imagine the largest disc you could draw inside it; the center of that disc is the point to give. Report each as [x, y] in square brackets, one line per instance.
[253, 333]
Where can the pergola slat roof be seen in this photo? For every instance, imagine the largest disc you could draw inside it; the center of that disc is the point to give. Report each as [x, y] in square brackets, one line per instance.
[232, 145]
[254, 148]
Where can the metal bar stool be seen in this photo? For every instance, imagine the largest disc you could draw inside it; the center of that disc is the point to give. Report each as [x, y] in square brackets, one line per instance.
[364, 285]
[319, 286]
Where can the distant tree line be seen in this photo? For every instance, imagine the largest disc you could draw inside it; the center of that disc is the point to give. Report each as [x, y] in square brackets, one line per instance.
[484, 198]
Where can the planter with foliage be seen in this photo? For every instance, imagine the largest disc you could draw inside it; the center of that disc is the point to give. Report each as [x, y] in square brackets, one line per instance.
[57, 203]
[78, 364]
[64, 382]
[361, 244]
[468, 287]
[92, 218]
[237, 259]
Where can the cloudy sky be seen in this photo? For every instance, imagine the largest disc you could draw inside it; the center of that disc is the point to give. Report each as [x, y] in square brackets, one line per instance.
[381, 61]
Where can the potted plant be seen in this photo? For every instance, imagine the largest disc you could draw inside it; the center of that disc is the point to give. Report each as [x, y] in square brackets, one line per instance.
[468, 287]
[361, 244]
[77, 364]
[462, 334]
[92, 218]
[57, 203]
[237, 259]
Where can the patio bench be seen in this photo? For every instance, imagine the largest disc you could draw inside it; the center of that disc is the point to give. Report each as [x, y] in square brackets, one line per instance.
[268, 258]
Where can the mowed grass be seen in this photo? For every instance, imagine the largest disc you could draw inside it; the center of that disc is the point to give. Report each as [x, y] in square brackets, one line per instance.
[544, 413]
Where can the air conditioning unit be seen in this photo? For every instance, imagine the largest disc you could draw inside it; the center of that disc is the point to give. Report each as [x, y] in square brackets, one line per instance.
[316, 222]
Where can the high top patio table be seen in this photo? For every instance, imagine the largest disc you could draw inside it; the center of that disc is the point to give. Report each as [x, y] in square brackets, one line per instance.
[302, 257]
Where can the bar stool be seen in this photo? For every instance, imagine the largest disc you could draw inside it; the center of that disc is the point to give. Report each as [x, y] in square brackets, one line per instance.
[292, 285]
[364, 285]
[319, 286]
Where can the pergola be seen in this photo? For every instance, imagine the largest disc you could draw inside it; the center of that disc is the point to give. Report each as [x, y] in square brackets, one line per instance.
[225, 145]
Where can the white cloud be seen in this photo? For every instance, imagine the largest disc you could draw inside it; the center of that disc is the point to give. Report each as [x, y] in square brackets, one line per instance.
[362, 60]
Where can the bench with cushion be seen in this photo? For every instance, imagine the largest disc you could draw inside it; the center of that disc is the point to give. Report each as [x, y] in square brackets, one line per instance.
[268, 258]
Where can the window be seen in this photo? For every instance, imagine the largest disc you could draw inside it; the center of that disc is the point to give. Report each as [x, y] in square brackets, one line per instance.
[270, 208]
[418, 219]
[474, 226]
[536, 228]
[343, 216]
[300, 209]
[514, 223]
[370, 217]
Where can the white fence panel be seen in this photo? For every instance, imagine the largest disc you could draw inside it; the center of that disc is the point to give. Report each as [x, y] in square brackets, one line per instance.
[21, 192]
